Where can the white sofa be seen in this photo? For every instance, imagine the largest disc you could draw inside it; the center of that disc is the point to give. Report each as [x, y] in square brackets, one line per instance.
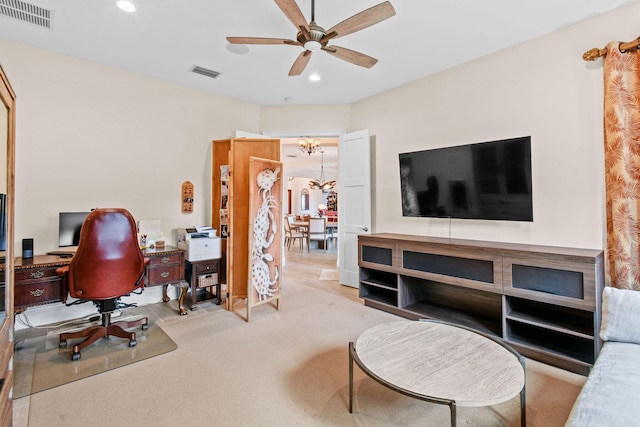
[611, 394]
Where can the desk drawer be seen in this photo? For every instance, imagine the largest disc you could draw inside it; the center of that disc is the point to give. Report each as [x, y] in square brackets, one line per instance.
[37, 292]
[207, 268]
[163, 274]
[29, 274]
[163, 260]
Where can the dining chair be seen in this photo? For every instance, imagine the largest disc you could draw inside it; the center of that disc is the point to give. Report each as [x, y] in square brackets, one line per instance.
[317, 231]
[291, 235]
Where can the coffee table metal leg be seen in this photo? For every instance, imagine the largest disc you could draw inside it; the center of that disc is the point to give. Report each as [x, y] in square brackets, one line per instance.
[523, 407]
[523, 395]
[454, 415]
[351, 377]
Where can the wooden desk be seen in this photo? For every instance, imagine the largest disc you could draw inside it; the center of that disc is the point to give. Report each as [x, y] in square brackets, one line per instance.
[440, 363]
[36, 281]
[166, 267]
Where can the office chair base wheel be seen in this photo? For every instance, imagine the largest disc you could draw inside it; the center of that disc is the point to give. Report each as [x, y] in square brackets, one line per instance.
[62, 344]
[133, 343]
[75, 356]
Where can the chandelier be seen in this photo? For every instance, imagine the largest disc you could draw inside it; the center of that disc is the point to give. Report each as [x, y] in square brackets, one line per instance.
[321, 184]
[309, 145]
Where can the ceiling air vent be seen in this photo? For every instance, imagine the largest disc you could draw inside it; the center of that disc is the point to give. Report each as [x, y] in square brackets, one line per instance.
[26, 12]
[204, 71]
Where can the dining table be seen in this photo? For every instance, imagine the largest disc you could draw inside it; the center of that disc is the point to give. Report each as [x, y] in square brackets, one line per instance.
[300, 225]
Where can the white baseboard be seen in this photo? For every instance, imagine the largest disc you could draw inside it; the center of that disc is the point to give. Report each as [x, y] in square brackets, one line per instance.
[58, 313]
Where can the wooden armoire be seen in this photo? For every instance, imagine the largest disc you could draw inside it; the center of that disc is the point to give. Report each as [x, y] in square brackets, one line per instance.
[236, 154]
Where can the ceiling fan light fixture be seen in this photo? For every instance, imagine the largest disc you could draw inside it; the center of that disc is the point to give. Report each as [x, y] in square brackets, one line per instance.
[312, 45]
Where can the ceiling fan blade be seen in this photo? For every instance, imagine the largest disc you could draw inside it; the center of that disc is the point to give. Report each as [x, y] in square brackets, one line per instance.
[364, 19]
[300, 64]
[261, 40]
[352, 56]
[293, 12]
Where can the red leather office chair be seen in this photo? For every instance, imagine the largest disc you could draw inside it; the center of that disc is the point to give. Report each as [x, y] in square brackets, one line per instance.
[107, 265]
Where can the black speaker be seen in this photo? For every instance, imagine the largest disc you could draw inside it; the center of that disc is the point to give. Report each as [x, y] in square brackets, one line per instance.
[27, 248]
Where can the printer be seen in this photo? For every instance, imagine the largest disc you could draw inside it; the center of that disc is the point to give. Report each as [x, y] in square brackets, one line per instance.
[199, 243]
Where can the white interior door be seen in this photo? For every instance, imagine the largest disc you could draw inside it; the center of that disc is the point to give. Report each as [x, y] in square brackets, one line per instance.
[354, 201]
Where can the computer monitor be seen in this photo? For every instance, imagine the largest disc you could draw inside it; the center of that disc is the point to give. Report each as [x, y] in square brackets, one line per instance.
[69, 225]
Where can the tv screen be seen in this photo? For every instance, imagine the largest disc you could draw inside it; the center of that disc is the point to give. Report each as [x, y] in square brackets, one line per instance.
[69, 225]
[488, 180]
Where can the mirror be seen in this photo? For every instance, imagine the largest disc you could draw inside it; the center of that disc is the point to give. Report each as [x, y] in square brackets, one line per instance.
[7, 132]
[4, 133]
[304, 200]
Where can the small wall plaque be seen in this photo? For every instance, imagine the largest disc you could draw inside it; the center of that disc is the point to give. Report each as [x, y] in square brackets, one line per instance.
[187, 197]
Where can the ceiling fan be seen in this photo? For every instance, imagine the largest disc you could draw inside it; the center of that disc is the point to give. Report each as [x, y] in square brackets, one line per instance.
[313, 37]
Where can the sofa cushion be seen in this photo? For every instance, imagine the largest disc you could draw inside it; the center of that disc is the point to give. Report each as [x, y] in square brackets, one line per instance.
[610, 396]
[620, 315]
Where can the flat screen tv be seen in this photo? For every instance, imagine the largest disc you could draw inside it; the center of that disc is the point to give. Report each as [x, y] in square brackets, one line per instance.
[488, 180]
[69, 225]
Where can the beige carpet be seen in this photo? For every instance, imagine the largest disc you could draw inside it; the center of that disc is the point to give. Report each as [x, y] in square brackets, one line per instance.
[286, 367]
[39, 364]
[329, 274]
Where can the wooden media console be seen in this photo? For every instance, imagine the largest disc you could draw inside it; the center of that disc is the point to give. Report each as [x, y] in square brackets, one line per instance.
[542, 300]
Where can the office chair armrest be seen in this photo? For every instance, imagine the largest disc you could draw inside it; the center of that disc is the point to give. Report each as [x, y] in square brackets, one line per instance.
[140, 282]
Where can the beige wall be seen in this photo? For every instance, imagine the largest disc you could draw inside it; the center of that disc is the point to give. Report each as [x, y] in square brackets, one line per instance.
[305, 119]
[90, 136]
[542, 88]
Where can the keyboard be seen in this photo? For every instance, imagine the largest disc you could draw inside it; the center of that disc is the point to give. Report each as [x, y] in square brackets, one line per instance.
[62, 253]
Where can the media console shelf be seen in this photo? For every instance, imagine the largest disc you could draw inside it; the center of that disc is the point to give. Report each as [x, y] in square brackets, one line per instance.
[543, 300]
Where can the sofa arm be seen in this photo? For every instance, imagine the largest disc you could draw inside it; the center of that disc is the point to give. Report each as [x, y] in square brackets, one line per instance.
[620, 315]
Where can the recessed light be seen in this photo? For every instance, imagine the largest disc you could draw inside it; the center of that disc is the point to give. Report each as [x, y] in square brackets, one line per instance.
[127, 6]
[314, 77]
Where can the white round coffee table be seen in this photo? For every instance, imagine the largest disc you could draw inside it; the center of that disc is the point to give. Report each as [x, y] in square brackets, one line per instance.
[440, 363]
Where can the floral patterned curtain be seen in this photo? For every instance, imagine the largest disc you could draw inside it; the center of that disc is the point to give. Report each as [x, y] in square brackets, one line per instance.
[622, 166]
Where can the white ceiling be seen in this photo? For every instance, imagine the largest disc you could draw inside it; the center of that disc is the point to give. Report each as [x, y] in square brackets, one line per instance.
[164, 39]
